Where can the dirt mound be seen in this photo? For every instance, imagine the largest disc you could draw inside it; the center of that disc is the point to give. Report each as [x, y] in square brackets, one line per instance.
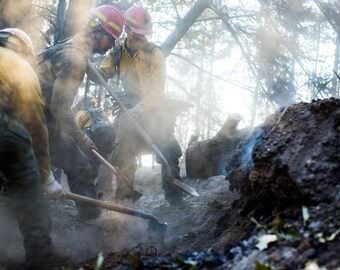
[293, 177]
[302, 151]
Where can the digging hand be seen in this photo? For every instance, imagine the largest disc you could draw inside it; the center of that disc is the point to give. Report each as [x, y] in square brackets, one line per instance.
[53, 189]
[86, 144]
[133, 113]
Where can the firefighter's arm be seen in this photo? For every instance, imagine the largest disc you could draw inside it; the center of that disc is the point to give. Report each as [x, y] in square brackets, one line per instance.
[52, 188]
[106, 69]
[107, 66]
[36, 124]
[32, 116]
[28, 105]
[66, 85]
[82, 119]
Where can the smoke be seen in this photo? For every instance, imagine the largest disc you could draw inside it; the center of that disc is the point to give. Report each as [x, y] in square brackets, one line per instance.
[113, 232]
[246, 160]
[14, 13]
[11, 242]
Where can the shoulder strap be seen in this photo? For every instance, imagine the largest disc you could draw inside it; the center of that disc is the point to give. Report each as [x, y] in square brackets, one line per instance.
[51, 52]
[116, 58]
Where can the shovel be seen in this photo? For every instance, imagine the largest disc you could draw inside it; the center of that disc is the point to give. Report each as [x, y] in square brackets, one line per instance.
[154, 224]
[145, 136]
[136, 195]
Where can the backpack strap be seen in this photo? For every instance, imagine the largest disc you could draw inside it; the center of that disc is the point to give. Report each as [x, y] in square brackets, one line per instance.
[116, 59]
[50, 52]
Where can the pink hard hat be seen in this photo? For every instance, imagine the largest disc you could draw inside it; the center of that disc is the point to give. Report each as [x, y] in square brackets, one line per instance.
[110, 19]
[138, 20]
[18, 40]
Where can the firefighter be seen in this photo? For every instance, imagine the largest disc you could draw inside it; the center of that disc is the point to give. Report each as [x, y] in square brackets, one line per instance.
[142, 72]
[83, 103]
[61, 70]
[96, 124]
[24, 155]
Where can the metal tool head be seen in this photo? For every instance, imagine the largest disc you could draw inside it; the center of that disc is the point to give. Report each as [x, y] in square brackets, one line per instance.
[136, 195]
[184, 187]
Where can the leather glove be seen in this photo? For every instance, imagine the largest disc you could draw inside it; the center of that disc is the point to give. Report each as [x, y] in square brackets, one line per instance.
[133, 113]
[53, 189]
[86, 144]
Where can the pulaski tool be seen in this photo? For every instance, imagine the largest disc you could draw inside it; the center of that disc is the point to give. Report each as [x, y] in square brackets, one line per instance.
[145, 136]
[154, 224]
[115, 171]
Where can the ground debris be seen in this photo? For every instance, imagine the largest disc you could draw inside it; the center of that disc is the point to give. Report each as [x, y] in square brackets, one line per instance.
[190, 260]
[283, 181]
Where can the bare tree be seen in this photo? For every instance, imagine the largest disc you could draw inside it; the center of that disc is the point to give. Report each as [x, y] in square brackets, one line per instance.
[76, 16]
[14, 13]
[184, 24]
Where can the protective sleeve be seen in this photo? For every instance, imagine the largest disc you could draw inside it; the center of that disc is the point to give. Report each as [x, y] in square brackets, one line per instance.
[39, 133]
[68, 80]
[83, 119]
[107, 66]
[28, 105]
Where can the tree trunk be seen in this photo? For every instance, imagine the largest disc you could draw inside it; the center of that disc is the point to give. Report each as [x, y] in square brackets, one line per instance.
[184, 25]
[208, 158]
[335, 84]
[15, 13]
[76, 16]
[60, 20]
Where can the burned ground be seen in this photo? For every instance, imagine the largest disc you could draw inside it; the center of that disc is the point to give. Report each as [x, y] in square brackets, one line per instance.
[291, 183]
[278, 207]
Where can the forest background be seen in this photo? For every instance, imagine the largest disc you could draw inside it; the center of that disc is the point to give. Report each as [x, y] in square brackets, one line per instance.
[247, 57]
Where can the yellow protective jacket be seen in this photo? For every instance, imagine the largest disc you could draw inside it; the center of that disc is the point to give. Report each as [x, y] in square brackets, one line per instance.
[60, 76]
[21, 100]
[143, 75]
[84, 118]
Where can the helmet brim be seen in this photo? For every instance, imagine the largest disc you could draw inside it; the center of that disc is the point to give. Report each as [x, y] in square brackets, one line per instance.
[139, 31]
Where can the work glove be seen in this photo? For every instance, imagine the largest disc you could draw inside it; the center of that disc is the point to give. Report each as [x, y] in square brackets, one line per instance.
[133, 113]
[53, 189]
[86, 144]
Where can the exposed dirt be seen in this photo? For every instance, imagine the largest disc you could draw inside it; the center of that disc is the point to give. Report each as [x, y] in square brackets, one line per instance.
[117, 236]
[282, 213]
